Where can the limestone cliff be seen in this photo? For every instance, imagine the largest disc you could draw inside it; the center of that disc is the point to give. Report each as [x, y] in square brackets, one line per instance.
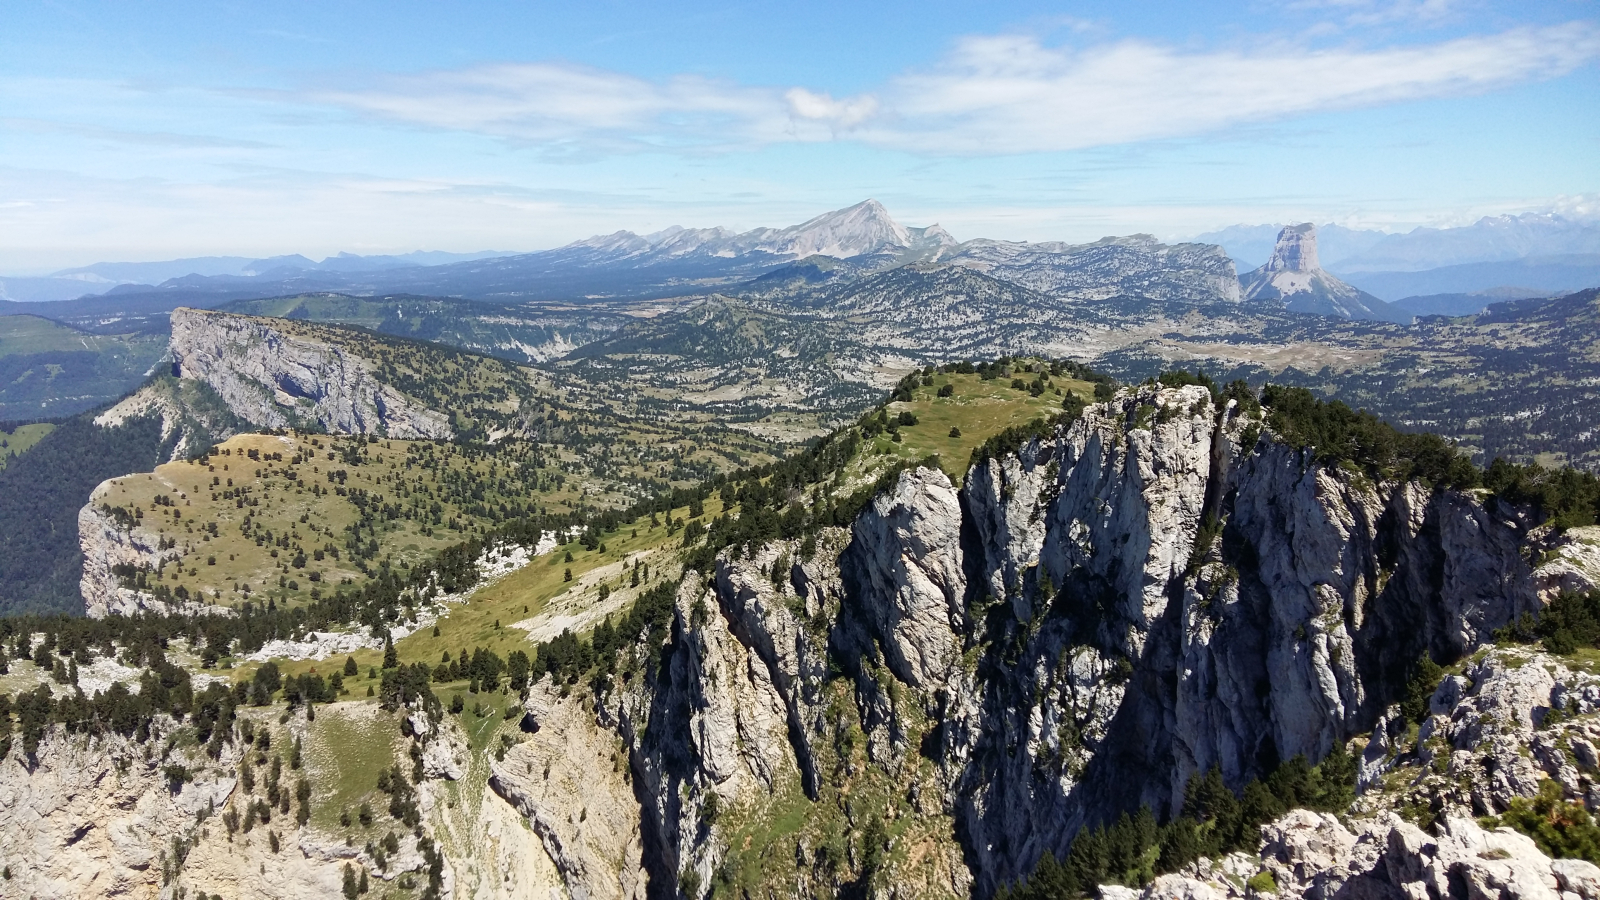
[108, 544]
[273, 376]
[1157, 588]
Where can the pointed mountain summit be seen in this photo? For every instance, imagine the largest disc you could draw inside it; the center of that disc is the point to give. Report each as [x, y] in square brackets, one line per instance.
[1295, 276]
[860, 230]
[853, 231]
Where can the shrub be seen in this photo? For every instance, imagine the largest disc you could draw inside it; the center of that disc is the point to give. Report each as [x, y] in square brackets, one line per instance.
[1424, 680]
[1561, 829]
[1262, 883]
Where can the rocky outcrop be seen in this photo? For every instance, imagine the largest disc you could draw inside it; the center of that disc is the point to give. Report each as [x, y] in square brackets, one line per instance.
[568, 779]
[1157, 588]
[903, 569]
[112, 816]
[107, 544]
[271, 375]
[96, 816]
[1573, 564]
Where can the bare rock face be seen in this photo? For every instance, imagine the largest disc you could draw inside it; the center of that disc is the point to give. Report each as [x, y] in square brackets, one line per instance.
[275, 378]
[94, 817]
[1087, 622]
[106, 544]
[907, 564]
[568, 780]
[1574, 564]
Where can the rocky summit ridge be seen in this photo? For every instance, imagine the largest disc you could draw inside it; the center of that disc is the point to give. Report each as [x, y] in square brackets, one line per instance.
[1295, 276]
[863, 229]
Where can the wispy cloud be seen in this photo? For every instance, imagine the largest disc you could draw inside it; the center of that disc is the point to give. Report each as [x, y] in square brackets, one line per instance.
[564, 104]
[1010, 94]
[997, 94]
[1384, 12]
[141, 138]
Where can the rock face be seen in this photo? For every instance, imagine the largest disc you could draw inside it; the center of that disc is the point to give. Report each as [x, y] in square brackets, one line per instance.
[103, 816]
[107, 544]
[1154, 590]
[275, 378]
[566, 780]
[95, 817]
[1294, 276]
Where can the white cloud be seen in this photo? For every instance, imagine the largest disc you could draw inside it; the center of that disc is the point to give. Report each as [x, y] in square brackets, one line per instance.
[1012, 94]
[997, 94]
[1577, 206]
[1383, 12]
[823, 108]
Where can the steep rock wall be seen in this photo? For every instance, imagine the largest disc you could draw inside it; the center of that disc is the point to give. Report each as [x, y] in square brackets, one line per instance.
[107, 544]
[1083, 626]
[275, 378]
[95, 817]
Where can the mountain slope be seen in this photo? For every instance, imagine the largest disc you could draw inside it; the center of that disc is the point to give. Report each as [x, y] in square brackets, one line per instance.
[1138, 265]
[516, 333]
[891, 685]
[52, 370]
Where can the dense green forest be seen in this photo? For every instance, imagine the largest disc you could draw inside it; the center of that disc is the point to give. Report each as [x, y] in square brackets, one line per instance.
[41, 493]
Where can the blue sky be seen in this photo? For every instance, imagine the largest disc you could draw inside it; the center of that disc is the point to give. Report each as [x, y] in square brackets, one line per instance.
[148, 131]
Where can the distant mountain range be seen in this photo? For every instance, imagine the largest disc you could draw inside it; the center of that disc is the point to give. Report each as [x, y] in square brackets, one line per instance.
[679, 262]
[101, 278]
[1535, 253]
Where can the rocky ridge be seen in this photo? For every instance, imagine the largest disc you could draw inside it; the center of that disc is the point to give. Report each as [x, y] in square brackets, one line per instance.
[1063, 636]
[927, 701]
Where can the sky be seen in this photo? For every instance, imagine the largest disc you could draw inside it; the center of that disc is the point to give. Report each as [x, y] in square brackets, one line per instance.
[153, 131]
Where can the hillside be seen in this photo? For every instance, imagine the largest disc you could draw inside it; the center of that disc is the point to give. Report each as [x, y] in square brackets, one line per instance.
[516, 333]
[51, 370]
[846, 674]
[586, 448]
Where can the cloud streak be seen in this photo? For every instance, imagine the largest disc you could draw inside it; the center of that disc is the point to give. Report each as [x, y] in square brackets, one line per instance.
[560, 104]
[992, 95]
[1012, 94]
